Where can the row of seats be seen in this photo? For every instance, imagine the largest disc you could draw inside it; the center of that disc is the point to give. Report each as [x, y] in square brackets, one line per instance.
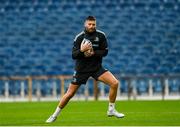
[85, 7]
[76, 2]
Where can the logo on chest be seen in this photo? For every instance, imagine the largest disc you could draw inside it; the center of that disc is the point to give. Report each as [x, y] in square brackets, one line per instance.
[96, 42]
[96, 39]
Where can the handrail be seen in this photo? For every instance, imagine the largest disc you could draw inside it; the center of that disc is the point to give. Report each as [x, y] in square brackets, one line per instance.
[42, 77]
[62, 78]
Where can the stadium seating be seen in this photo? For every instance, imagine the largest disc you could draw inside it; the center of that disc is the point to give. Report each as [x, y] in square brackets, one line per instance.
[37, 36]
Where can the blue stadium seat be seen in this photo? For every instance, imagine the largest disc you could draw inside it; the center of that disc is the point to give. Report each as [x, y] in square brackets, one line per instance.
[141, 86]
[35, 86]
[157, 86]
[123, 86]
[14, 88]
[174, 85]
[2, 87]
[46, 87]
[176, 69]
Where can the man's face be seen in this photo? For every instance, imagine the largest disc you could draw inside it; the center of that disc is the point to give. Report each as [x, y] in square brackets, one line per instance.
[90, 25]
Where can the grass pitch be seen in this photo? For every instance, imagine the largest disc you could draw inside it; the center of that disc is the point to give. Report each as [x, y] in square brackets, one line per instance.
[91, 113]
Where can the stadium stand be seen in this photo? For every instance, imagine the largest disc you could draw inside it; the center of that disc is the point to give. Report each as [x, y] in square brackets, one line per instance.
[37, 37]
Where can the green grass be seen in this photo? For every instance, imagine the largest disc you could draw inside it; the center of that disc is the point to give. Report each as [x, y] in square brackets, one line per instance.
[92, 113]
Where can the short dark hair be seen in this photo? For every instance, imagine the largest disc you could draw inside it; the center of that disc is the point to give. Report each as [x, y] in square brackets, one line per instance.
[92, 18]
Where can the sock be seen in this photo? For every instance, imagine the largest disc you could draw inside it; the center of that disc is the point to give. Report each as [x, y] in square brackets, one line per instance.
[57, 111]
[111, 106]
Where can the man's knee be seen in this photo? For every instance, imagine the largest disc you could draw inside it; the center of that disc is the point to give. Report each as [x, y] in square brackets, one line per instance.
[70, 94]
[115, 84]
[71, 90]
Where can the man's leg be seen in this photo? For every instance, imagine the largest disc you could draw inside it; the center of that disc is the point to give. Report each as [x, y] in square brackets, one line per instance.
[68, 95]
[108, 78]
[65, 99]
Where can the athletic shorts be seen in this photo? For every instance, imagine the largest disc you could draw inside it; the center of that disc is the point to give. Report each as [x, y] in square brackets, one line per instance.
[82, 77]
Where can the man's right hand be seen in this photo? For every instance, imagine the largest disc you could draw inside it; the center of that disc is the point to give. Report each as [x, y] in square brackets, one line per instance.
[85, 45]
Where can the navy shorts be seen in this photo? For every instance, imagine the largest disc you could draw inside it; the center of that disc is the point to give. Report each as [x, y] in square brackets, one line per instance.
[82, 77]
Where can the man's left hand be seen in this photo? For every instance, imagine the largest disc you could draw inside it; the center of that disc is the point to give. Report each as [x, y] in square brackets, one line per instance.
[89, 53]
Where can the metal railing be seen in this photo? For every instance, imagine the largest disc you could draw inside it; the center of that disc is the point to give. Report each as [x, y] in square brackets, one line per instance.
[30, 79]
[131, 93]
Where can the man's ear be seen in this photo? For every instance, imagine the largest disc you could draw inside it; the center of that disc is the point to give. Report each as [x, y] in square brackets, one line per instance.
[85, 24]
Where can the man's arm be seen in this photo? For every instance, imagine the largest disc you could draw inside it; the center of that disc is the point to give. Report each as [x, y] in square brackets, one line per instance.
[80, 47]
[76, 52]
